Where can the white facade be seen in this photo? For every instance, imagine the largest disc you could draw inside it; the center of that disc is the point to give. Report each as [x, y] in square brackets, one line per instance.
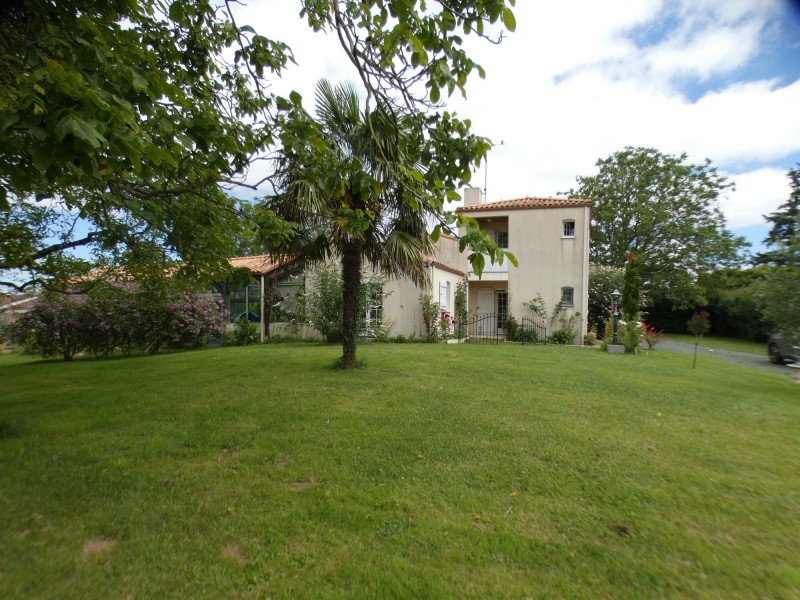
[401, 304]
[550, 239]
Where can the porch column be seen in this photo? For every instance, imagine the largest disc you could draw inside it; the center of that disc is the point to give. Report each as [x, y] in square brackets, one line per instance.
[263, 300]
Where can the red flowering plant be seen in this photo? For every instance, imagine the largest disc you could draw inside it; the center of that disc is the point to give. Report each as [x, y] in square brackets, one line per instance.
[446, 322]
[651, 336]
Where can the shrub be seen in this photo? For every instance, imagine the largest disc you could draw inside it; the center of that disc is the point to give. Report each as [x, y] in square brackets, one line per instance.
[461, 308]
[562, 336]
[53, 327]
[630, 336]
[244, 333]
[431, 316]
[324, 303]
[512, 329]
[118, 318]
[651, 336]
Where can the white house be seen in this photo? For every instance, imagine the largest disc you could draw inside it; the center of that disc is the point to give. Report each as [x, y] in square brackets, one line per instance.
[548, 236]
[550, 239]
[401, 308]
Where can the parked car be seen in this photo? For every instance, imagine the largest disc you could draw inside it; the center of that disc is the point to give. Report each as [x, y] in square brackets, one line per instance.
[781, 349]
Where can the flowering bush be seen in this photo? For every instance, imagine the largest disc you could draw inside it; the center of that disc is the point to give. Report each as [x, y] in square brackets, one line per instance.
[52, 328]
[118, 318]
[651, 336]
[446, 323]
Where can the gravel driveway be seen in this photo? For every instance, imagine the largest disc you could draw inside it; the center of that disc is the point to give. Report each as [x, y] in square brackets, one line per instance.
[741, 358]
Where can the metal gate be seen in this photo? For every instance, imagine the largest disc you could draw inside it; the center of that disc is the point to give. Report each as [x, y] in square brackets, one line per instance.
[531, 332]
[483, 328]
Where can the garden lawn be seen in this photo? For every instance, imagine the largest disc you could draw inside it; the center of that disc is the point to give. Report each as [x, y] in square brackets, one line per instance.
[437, 471]
[723, 343]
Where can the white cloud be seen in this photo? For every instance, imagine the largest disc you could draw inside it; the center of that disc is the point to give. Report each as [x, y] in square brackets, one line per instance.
[758, 193]
[722, 49]
[581, 79]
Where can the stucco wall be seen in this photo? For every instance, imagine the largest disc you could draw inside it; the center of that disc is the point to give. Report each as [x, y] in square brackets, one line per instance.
[547, 260]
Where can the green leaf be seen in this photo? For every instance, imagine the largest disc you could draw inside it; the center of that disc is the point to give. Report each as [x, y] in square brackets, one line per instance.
[7, 120]
[508, 19]
[42, 156]
[478, 262]
[296, 98]
[176, 11]
[139, 83]
[317, 142]
[79, 128]
[4, 205]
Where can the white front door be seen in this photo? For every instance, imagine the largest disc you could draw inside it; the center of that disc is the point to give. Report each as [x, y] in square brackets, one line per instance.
[485, 302]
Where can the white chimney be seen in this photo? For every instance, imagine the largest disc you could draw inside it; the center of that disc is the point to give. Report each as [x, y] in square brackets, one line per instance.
[472, 195]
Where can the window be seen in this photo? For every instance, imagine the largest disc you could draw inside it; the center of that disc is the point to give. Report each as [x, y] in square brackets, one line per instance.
[569, 229]
[567, 296]
[502, 239]
[372, 288]
[245, 301]
[502, 309]
[444, 295]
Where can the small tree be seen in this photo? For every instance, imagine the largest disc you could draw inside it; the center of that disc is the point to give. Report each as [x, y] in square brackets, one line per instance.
[324, 303]
[462, 311]
[698, 325]
[632, 288]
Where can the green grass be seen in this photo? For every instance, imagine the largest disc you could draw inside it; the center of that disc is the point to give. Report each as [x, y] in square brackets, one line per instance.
[434, 472]
[724, 343]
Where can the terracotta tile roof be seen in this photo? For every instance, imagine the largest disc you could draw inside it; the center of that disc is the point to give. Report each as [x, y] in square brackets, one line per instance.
[444, 266]
[523, 203]
[259, 265]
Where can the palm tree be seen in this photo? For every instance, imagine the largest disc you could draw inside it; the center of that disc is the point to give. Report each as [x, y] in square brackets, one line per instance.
[350, 182]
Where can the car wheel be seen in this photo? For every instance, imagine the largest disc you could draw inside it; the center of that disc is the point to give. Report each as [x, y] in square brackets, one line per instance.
[775, 354]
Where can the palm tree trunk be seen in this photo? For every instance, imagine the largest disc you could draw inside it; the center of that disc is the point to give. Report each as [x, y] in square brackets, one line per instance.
[351, 288]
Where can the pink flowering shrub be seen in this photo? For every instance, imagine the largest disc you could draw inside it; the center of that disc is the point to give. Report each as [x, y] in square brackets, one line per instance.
[54, 327]
[119, 318]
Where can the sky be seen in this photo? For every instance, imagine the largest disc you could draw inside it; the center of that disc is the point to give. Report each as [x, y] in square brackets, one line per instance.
[581, 79]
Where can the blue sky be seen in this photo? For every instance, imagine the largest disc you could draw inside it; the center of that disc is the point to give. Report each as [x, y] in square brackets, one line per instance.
[581, 79]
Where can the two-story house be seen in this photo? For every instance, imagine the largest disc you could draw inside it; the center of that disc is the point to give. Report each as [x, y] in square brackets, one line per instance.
[550, 238]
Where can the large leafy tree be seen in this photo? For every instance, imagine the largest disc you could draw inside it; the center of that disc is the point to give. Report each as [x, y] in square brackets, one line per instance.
[354, 184]
[122, 121]
[779, 290]
[784, 223]
[666, 210]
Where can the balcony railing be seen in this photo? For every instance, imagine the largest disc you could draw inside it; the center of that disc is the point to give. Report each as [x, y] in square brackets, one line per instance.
[492, 269]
